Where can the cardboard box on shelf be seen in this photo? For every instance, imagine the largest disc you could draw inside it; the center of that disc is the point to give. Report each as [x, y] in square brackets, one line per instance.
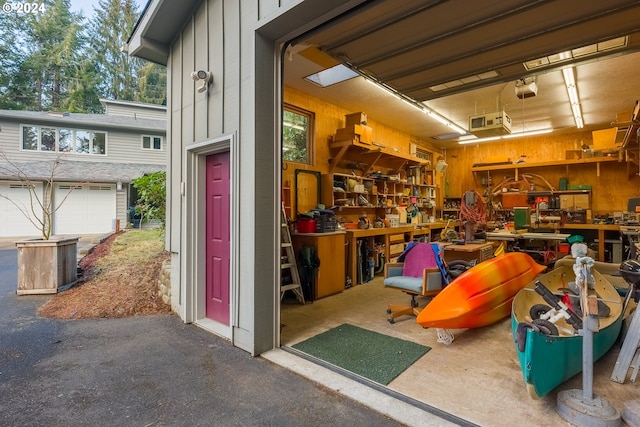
[402, 214]
[511, 200]
[566, 201]
[359, 118]
[581, 201]
[363, 134]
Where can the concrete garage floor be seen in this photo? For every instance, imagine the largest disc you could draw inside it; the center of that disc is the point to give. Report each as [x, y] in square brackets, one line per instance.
[476, 378]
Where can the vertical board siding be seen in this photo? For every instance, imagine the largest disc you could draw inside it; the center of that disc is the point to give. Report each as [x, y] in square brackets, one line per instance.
[174, 164]
[242, 101]
[201, 61]
[138, 112]
[215, 101]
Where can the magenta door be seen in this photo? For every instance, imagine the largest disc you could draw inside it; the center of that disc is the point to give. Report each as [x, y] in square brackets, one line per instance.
[218, 238]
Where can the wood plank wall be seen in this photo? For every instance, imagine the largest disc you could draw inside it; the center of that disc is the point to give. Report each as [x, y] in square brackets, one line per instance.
[611, 189]
[328, 118]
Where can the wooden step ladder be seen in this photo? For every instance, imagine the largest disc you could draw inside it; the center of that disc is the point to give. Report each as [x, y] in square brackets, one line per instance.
[288, 261]
[629, 355]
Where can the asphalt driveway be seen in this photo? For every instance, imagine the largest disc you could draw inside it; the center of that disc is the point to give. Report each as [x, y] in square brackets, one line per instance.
[146, 371]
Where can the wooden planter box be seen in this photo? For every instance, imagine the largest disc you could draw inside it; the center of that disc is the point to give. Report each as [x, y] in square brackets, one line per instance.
[47, 266]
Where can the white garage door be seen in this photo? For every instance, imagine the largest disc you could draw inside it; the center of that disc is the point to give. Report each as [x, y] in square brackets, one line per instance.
[88, 209]
[13, 223]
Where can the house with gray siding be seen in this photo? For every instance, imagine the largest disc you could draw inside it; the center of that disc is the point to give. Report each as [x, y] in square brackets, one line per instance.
[95, 156]
[223, 184]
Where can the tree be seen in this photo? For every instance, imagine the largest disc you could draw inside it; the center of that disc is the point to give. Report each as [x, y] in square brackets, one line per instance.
[58, 60]
[152, 84]
[51, 44]
[11, 56]
[39, 202]
[112, 23]
[152, 195]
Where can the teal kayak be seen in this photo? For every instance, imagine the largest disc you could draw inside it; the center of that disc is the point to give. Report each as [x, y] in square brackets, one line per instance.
[547, 360]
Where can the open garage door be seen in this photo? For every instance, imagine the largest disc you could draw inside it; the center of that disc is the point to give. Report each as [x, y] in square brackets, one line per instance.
[14, 223]
[89, 208]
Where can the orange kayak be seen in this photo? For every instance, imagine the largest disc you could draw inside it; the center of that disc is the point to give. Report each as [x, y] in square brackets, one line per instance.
[481, 295]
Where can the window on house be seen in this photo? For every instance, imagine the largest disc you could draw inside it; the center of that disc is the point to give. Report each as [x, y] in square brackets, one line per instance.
[65, 140]
[47, 139]
[99, 144]
[83, 141]
[151, 142]
[29, 138]
[38, 138]
[297, 135]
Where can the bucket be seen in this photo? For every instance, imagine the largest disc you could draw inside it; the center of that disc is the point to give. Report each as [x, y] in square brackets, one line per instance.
[306, 225]
[564, 248]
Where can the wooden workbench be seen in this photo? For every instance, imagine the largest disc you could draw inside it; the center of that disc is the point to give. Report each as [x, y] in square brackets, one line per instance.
[571, 228]
[600, 228]
[387, 236]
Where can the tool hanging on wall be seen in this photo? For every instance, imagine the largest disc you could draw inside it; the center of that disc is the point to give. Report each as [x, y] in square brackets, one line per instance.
[510, 182]
[472, 212]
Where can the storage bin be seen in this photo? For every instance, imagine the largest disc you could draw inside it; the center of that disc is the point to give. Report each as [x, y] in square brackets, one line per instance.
[326, 224]
[306, 225]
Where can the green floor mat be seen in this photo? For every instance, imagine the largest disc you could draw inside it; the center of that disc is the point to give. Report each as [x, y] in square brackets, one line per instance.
[375, 356]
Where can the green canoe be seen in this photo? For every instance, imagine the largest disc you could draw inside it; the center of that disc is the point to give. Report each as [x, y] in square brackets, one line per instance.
[546, 360]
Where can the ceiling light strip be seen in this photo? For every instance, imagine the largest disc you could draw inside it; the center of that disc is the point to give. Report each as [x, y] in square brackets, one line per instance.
[511, 135]
[428, 111]
[572, 92]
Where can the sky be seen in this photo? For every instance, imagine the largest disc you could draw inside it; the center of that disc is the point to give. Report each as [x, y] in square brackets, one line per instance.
[87, 6]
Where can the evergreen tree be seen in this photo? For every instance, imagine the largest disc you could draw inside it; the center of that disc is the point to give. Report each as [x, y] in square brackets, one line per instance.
[12, 27]
[58, 60]
[51, 48]
[152, 84]
[110, 27]
[84, 95]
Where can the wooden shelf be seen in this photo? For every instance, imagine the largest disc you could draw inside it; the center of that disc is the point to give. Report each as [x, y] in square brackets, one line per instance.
[397, 193]
[516, 167]
[371, 155]
[554, 163]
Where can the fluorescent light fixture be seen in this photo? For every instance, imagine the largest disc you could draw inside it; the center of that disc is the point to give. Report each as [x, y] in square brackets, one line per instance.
[528, 133]
[574, 100]
[443, 120]
[330, 76]
[421, 107]
[446, 136]
[511, 135]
